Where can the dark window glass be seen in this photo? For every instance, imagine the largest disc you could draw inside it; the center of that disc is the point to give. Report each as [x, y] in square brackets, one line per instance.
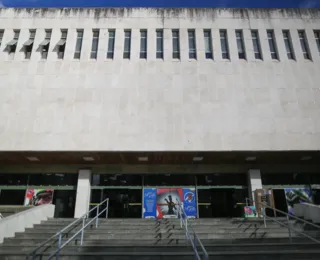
[288, 44]
[169, 180]
[143, 44]
[316, 36]
[224, 44]
[116, 180]
[110, 53]
[272, 45]
[192, 44]
[1, 36]
[222, 179]
[256, 45]
[175, 44]
[77, 52]
[13, 179]
[240, 44]
[208, 44]
[304, 45]
[53, 179]
[159, 53]
[95, 43]
[127, 44]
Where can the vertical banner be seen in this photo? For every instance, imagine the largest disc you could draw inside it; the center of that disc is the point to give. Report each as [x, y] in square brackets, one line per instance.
[297, 195]
[149, 202]
[190, 202]
[167, 200]
[35, 197]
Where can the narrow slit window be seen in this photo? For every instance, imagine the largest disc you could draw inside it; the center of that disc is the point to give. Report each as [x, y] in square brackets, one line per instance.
[208, 44]
[192, 44]
[62, 44]
[44, 45]
[143, 44]
[175, 44]
[12, 45]
[77, 53]
[224, 45]
[127, 44]
[316, 36]
[288, 44]
[1, 36]
[304, 45]
[95, 44]
[111, 40]
[240, 45]
[272, 45]
[159, 54]
[256, 45]
[28, 45]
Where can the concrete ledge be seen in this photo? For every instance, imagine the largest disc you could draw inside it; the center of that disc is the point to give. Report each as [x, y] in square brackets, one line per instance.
[25, 219]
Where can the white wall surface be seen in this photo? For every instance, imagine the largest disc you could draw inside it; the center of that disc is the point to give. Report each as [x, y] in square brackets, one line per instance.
[25, 219]
[83, 193]
[159, 104]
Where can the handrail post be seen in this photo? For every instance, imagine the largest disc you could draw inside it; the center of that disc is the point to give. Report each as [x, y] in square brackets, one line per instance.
[264, 217]
[289, 229]
[97, 217]
[59, 245]
[82, 231]
[107, 210]
[195, 245]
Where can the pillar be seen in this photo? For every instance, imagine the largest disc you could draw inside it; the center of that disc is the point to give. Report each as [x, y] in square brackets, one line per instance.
[83, 193]
[254, 182]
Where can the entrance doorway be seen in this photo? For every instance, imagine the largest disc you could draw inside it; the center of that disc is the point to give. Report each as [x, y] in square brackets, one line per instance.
[220, 203]
[123, 203]
[64, 201]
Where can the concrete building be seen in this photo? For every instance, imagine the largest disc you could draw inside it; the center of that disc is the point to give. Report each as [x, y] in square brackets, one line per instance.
[100, 102]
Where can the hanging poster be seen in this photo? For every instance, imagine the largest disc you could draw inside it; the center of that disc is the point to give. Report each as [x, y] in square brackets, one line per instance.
[167, 200]
[190, 202]
[37, 197]
[149, 202]
[297, 195]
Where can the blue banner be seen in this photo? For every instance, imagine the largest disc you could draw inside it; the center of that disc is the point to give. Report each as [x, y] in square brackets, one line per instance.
[190, 202]
[149, 202]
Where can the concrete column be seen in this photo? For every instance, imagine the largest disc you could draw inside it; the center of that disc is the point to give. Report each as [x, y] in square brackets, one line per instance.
[254, 181]
[83, 193]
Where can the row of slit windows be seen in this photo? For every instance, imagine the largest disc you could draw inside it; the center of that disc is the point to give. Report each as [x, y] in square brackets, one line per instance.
[60, 46]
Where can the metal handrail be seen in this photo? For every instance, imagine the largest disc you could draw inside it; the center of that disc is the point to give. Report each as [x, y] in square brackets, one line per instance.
[195, 241]
[288, 218]
[59, 235]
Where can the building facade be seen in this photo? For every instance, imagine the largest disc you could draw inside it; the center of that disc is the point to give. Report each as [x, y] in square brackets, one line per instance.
[101, 100]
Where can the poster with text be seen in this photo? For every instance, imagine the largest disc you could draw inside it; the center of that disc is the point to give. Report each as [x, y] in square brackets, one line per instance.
[167, 201]
[297, 195]
[149, 202]
[190, 202]
[37, 197]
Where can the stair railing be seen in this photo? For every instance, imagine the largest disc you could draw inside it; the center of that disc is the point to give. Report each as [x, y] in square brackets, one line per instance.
[64, 232]
[193, 238]
[288, 216]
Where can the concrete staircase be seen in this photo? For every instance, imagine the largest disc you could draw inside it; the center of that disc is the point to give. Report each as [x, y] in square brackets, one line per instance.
[125, 239]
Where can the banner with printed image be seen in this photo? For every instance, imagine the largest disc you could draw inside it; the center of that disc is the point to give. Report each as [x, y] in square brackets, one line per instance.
[167, 200]
[149, 202]
[37, 197]
[190, 202]
[297, 195]
[163, 202]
